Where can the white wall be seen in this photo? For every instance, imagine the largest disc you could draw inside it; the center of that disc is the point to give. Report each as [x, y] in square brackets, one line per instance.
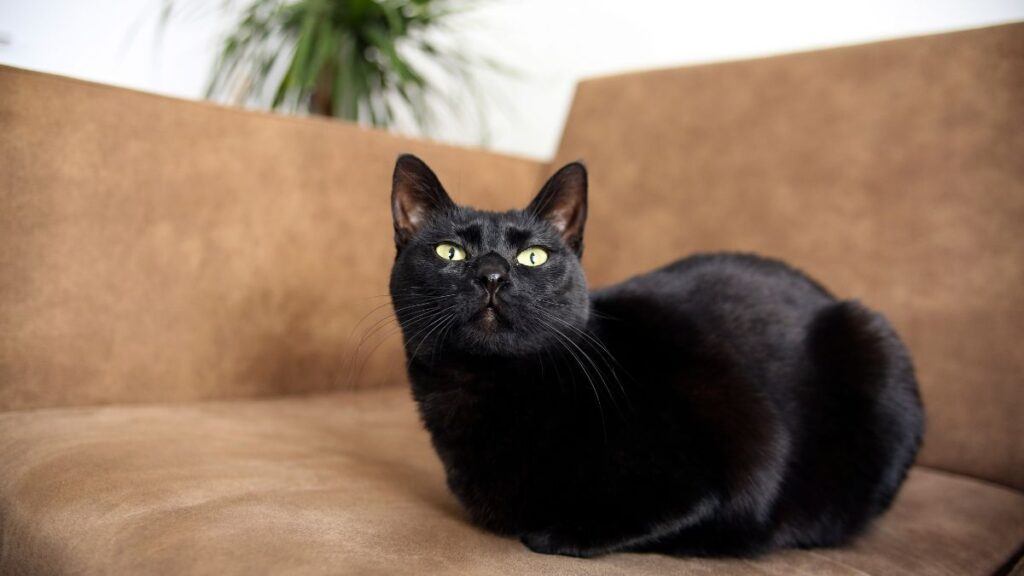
[551, 43]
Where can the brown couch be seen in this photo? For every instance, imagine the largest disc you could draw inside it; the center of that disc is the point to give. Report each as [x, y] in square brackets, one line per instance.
[181, 288]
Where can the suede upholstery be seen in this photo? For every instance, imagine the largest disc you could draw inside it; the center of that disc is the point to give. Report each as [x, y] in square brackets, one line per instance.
[173, 253]
[159, 250]
[347, 484]
[892, 172]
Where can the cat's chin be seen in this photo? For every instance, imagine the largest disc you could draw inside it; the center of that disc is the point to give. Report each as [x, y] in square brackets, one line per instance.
[489, 319]
[489, 334]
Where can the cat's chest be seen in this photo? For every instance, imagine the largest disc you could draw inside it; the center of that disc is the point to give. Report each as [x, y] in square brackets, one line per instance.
[495, 414]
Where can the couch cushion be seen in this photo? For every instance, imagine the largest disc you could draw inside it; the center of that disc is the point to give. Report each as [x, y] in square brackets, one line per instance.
[179, 251]
[347, 483]
[891, 171]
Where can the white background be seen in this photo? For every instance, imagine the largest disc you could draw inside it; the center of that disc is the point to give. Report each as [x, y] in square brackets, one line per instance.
[551, 43]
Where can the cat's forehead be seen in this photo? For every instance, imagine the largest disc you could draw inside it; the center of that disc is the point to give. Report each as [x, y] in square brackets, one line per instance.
[479, 227]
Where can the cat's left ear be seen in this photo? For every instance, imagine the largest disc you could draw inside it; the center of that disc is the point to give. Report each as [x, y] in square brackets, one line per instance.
[563, 203]
[416, 196]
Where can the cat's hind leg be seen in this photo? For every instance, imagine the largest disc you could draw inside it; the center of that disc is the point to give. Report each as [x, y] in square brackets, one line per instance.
[610, 531]
[862, 424]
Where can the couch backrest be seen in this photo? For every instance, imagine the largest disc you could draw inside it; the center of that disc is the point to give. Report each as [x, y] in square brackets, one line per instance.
[153, 249]
[893, 172]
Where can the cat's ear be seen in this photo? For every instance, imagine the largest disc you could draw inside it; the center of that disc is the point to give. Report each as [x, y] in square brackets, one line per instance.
[416, 195]
[563, 203]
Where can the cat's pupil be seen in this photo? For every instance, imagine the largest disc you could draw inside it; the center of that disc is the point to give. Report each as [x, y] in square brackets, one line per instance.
[451, 253]
[533, 257]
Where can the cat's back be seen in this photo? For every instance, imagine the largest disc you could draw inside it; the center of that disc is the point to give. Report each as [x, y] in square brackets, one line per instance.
[751, 312]
[749, 356]
[726, 288]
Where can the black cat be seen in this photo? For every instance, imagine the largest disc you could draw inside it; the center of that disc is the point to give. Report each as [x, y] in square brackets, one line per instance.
[725, 404]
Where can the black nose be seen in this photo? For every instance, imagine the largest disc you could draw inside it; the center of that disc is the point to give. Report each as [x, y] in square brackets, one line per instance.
[492, 272]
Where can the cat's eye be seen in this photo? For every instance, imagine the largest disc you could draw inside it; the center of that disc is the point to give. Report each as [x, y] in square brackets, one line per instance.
[450, 252]
[534, 256]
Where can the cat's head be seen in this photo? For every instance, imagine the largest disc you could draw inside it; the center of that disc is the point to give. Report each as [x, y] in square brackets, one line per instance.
[487, 283]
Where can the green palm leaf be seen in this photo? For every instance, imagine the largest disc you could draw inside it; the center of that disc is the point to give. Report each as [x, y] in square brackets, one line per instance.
[354, 59]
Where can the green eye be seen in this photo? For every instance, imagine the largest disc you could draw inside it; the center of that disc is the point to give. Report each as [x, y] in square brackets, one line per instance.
[534, 256]
[450, 252]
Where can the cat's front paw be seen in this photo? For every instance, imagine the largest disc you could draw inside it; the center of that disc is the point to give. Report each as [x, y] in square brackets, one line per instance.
[556, 541]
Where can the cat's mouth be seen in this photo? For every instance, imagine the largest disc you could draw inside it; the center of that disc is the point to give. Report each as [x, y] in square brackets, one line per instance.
[490, 316]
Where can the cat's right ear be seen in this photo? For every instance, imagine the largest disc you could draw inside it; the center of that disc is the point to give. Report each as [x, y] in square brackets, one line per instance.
[563, 203]
[416, 195]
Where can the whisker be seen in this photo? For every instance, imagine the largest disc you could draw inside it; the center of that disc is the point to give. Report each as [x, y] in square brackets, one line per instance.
[592, 311]
[433, 326]
[603, 353]
[424, 318]
[586, 334]
[366, 359]
[389, 314]
[597, 369]
[354, 369]
[442, 337]
[561, 339]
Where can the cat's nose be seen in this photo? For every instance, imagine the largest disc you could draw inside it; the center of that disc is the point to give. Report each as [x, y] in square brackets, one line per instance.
[492, 272]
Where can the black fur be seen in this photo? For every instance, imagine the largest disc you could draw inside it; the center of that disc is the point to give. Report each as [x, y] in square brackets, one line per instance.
[725, 404]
